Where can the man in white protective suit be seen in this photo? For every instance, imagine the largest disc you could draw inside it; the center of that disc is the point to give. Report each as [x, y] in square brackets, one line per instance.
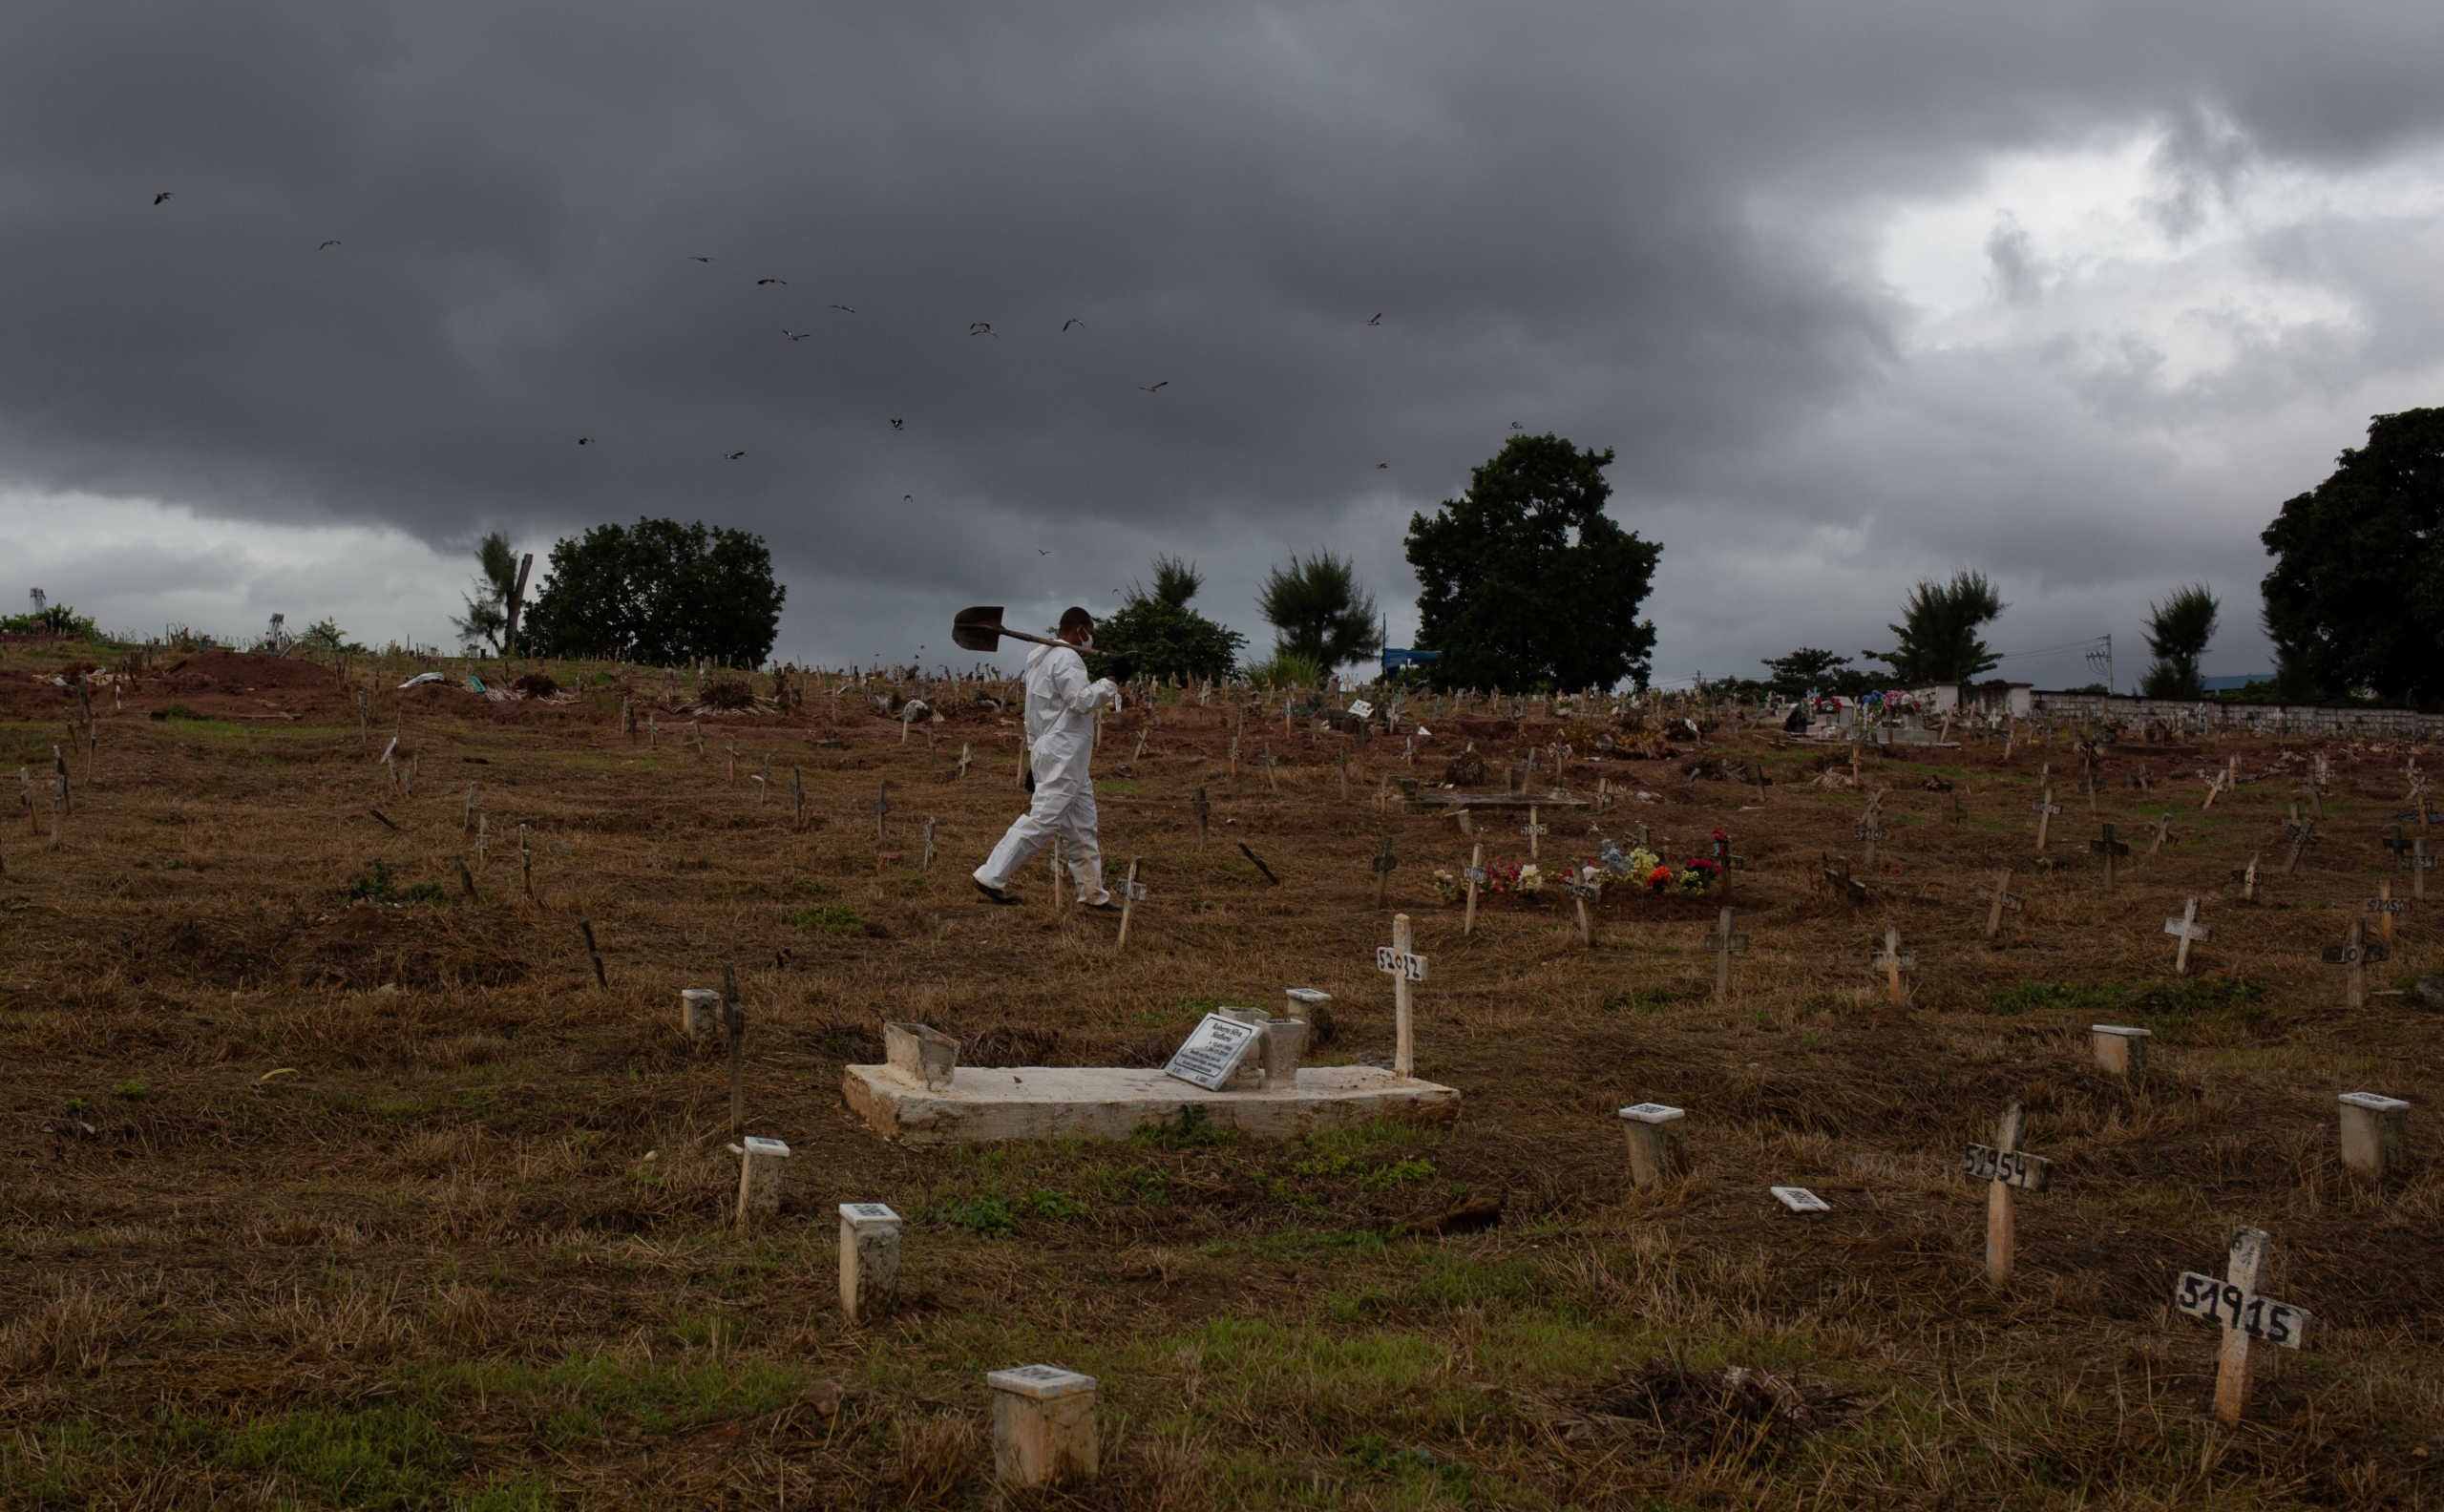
[1061, 705]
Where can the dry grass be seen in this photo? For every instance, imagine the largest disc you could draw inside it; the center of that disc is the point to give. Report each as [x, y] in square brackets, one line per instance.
[323, 1202]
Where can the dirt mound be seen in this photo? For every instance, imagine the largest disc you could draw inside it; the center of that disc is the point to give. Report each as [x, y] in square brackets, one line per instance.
[727, 695]
[1467, 769]
[1697, 1412]
[243, 672]
[535, 684]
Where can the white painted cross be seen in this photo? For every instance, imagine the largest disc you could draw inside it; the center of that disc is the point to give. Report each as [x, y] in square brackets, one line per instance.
[1131, 893]
[1581, 890]
[2235, 1303]
[1534, 831]
[1475, 877]
[2045, 808]
[2187, 929]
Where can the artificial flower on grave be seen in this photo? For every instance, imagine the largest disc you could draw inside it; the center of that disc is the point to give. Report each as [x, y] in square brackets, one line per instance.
[1447, 885]
[1698, 876]
[1659, 878]
[1531, 878]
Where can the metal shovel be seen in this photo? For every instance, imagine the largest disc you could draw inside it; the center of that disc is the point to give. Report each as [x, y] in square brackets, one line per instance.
[980, 629]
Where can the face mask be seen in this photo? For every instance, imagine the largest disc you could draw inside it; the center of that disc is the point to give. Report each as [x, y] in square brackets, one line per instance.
[1086, 641]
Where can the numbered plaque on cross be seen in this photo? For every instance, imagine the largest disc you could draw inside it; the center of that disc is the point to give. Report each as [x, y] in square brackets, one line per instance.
[2001, 900]
[2002, 1166]
[1723, 944]
[1404, 966]
[2245, 1315]
[2355, 954]
[1893, 961]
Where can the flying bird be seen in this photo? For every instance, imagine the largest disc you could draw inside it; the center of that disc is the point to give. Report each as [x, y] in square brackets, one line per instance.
[327, 245]
[1381, 466]
[1155, 388]
[1071, 321]
[163, 197]
[908, 499]
[795, 336]
[897, 423]
[733, 457]
[784, 283]
[1378, 320]
[980, 327]
[1516, 426]
[703, 260]
[843, 307]
[1041, 552]
[583, 440]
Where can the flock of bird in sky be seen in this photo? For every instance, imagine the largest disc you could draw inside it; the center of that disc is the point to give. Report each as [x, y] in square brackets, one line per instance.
[897, 422]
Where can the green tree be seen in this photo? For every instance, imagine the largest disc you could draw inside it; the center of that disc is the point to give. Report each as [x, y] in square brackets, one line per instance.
[487, 615]
[1317, 611]
[326, 635]
[1158, 633]
[658, 591]
[2356, 598]
[2178, 631]
[1526, 582]
[1938, 630]
[1809, 670]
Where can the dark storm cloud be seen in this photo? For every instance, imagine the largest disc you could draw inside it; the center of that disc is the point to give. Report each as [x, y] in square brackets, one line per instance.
[1646, 231]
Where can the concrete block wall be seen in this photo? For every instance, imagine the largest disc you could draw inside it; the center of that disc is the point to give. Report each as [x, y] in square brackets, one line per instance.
[2260, 719]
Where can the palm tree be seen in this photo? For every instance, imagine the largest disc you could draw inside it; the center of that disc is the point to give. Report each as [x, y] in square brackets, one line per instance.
[1319, 611]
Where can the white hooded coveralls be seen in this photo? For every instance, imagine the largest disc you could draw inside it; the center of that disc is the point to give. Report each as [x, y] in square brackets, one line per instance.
[1060, 741]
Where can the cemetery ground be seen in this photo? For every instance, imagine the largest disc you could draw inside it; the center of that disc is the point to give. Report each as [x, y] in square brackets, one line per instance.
[328, 1185]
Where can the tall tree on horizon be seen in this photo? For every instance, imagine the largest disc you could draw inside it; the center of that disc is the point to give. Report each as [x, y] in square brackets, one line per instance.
[2355, 600]
[2177, 632]
[1938, 630]
[487, 615]
[1317, 611]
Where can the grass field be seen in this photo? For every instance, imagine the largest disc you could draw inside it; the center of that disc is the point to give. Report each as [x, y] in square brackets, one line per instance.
[329, 1186]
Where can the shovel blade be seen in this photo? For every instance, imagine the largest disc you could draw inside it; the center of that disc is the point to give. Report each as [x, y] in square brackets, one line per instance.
[977, 629]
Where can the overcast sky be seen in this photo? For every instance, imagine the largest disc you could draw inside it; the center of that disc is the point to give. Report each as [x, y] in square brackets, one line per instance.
[2075, 294]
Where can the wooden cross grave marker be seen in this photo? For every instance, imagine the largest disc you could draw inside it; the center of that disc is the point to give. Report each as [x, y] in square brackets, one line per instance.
[2215, 782]
[2384, 905]
[1723, 944]
[2355, 954]
[1891, 961]
[2304, 839]
[2160, 832]
[1131, 893]
[964, 757]
[2001, 900]
[882, 812]
[2235, 1303]
[1582, 889]
[1382, 865]
[1139, 755]
[2108, 848]
[2187, 929]
[1404, 966]
[1475, 877]
[1840, 884]
[2002, 1166]
[2247, 878]
[927, 865]
[1203, 809]
[1534, 831]
[2045, 808]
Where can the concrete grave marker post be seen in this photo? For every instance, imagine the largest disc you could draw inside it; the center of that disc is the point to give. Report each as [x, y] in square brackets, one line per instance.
[2354, 955]
[698, 1010]
[2384, 905]
[759, 1180]
[1203, 808]
[1658, 1150]
[1043, 1426]
[1893, 961]
[2045, 808]
[2235, 1303]
[2002, 899]
[1382, 865]
[1475, 877]
[1723, 944]
[1534, 831]
[2375, 1133]
[2187, 929]
[1131, 893]
[2002, 1166]
[2107, 846]
[2120, 1050]
[965, 756]
[1405, 966]
[868, 1260]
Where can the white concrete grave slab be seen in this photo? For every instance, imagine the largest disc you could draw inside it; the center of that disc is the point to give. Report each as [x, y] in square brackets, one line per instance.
[1799, 1199]
[1035, 1103]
